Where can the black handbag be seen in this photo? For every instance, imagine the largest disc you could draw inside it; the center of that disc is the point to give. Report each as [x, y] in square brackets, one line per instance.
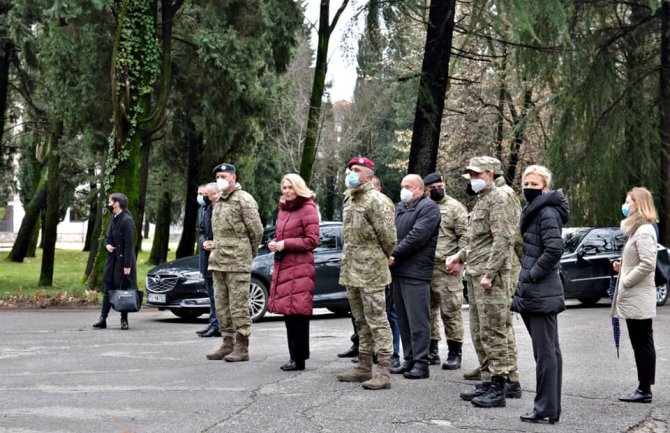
[126, 301]
[662, 275]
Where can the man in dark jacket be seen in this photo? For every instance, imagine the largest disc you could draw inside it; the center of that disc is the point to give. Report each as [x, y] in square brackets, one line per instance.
[417, 224]
[207, 196]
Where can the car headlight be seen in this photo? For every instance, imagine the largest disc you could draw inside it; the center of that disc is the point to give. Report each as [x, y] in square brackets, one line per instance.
[193, 275]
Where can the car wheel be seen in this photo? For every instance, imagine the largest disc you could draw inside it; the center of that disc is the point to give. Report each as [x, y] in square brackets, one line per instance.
[187, 314]
[258, 300]
[589, 302]
[661, 294]
[339, 311]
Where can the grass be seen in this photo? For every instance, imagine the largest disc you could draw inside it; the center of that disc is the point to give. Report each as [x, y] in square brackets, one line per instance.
[18, 281]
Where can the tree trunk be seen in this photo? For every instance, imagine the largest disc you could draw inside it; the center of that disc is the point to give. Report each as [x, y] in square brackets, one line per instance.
[138, 214]
[28, 224]
[159, 248]
[32, 244]
[187, 241]
[99, 221]
[52, 217]
[664, 128]
[92, 216]
[502, 92]
[520, 124]
[5, 60]
[432, 88]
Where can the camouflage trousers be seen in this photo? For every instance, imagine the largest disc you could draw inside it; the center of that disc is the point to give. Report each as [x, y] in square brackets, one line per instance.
[491, 327]
[368, 307]
[231, 292]
[446, 300]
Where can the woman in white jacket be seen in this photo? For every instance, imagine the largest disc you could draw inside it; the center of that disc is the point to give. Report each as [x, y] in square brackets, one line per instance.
[635, 295]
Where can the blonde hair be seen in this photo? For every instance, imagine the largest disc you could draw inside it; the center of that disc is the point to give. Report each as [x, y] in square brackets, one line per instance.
[298, 184]
[645, 204]
[539, 170]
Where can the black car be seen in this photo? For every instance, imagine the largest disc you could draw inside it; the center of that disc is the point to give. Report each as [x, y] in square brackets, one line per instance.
[586, 265]
[178, 286]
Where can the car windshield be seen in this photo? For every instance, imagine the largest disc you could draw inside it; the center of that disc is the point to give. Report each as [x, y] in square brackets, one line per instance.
[572, 237]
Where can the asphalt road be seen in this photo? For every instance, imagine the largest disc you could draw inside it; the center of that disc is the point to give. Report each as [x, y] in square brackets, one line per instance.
[57, 374]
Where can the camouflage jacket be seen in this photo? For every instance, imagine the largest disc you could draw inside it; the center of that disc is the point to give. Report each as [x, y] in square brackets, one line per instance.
[453, 226]
[514, 205]
[490, 234]
[369, 236]
[237, 231]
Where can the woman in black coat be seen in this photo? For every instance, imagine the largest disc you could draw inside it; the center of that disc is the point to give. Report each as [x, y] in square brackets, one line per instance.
[120, 269]
[539, 291]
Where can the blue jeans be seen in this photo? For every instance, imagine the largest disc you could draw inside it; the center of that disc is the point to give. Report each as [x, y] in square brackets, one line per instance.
[393, 320]
[213, 321]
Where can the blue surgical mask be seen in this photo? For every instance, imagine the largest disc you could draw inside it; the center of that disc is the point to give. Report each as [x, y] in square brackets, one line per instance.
[201, 200]
[625, 210]
[352, 180]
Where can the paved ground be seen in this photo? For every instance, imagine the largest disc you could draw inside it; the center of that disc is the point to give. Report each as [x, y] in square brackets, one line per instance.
[57, 374]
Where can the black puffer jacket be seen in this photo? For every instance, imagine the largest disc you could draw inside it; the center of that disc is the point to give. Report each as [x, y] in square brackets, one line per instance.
[539, 289]
[418, 226]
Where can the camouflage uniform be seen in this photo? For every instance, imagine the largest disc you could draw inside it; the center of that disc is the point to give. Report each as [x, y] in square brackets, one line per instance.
[446, 291]
[369, 236]
[237, 232]
[489, 245]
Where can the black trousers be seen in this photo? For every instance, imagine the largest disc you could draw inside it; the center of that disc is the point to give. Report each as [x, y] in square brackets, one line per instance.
[107, 306]
[297, 331]
[412, 303]
[641, 335]
[543, 330]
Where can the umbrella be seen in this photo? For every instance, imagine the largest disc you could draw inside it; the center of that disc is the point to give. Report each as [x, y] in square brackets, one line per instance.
[616, 329]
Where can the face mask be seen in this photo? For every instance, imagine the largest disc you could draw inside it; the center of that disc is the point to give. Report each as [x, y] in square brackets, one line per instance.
[352, 180]
[110, 207]
[405, 195]
[202, 200]
[531, 194]
[469, 191]
[437, 194]
[223, 184]
[478, 185]
[625, 210]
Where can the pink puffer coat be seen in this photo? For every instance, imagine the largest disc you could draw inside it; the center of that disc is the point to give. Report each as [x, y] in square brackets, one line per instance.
[292, 286]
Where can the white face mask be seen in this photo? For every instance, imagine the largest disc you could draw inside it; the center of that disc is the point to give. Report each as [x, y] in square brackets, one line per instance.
[477, 184]
[406, 195]
[223, 184]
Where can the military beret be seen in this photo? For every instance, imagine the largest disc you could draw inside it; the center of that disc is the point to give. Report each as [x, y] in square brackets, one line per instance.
[361, 160]
[432, 178]
[479, 164]
[224, 167]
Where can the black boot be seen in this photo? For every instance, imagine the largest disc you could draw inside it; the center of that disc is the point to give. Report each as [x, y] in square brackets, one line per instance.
[496, 395]
[124, 322]
[434, 352]
[479, 390]
[512, 389]
[454, 356]
[101, 324]
[349, 353]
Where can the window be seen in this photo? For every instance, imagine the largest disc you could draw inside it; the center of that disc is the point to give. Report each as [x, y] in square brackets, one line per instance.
[599, 241]
[327, 239]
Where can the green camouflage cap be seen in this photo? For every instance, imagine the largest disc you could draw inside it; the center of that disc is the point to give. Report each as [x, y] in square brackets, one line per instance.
[479, 164]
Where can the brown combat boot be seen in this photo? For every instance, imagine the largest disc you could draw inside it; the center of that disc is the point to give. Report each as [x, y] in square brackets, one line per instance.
[473, 374]
[360, 373]
[241, 350]
[222, 351]
[382, 379]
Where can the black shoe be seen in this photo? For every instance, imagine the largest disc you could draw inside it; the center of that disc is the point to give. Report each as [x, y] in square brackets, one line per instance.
[124, 324]
[480, 389]
[534, 417]
[395, 361]
[402, 369]
[637, 396]
[495, 397]
[434, 353]
[454, 356]
[211, 333]
[100, 324]
[418, 372]
[349, 353]
[292, 365]
[512, 389]
[204, 331]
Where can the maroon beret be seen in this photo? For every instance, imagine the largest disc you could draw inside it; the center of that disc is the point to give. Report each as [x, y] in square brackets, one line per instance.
[361, 160]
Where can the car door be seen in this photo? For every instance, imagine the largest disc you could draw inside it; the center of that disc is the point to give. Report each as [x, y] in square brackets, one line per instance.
[327, 262]
[587, 272]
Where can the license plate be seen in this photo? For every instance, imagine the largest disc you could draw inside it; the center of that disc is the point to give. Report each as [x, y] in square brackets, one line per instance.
[153, 297]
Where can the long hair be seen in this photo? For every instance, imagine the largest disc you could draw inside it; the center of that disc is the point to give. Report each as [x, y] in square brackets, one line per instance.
[646, 211]
[298, 183]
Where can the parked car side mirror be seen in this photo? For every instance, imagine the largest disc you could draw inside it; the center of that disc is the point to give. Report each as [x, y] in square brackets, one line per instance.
[586, 251]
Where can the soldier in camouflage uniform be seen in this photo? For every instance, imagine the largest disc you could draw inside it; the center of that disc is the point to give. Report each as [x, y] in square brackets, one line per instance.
[237, 232]
[369, 237]
[488, 253]
[446, 290]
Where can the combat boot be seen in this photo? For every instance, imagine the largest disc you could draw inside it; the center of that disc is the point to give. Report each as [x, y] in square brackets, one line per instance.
[496, 395]
[453, 361]
[101, 324]
[479, 390]
[224, 350]
[241, 350]
[474, 374]
[434, 352]
[382, 379]
[360, 373]
[512, 389]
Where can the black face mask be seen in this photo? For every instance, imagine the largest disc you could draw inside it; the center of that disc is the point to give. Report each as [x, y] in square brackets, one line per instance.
[437, 194]
[469, 190]
[110, 207]
[531, 194]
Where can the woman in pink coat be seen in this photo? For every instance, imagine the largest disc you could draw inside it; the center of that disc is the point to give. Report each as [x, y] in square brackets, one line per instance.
[292, 289]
